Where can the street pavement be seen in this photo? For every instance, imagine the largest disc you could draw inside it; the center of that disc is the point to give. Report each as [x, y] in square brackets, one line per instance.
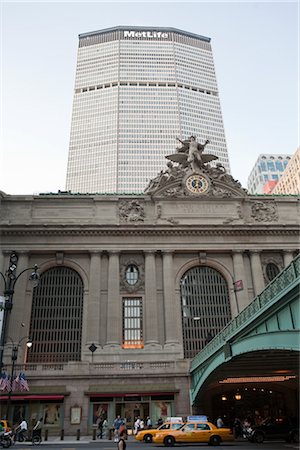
[70, 442]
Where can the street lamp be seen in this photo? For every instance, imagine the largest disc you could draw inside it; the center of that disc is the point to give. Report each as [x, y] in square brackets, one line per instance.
[10, 279]
[14, 357]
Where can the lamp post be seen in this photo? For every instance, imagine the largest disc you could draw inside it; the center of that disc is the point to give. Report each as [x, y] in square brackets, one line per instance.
[14, 357]
[10, 279]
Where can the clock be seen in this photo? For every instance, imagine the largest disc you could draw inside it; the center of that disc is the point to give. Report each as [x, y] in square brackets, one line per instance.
[197, 184]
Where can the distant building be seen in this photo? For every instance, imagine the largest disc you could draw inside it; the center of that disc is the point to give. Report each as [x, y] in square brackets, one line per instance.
[289, 183]
[268, 167]
[269, 186]
[136, 90]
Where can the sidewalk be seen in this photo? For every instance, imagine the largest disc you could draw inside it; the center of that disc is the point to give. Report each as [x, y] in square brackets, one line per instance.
[72, 440]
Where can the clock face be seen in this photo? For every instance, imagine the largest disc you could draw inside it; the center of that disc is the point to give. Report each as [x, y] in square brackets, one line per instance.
[197, 184]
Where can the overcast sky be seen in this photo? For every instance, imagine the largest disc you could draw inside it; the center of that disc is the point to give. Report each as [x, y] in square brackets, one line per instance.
[256, 52]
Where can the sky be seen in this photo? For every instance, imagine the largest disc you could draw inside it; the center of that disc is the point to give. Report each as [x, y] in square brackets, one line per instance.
[256, 54]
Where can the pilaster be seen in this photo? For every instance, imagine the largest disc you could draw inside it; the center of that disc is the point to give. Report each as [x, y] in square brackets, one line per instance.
[114, 309]
[287, 257]
[240, 274]
[257, 272]
[171, 319]
[93, 314]
[151, 308]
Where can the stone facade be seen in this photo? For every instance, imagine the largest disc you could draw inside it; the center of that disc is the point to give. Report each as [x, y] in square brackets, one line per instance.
[138, 262]
[164, 235]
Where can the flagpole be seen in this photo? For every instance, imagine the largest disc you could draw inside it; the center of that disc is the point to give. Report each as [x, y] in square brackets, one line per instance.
[14, 357]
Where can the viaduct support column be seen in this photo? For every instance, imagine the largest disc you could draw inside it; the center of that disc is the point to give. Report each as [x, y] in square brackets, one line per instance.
[114, 309]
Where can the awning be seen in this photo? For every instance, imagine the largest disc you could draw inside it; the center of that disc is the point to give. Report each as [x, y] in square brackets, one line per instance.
[32, 397]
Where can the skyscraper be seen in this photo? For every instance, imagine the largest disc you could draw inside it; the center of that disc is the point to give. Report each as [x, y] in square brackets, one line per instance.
[137, 89]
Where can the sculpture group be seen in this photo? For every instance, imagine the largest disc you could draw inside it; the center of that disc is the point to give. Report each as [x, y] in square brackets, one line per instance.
[191, 159]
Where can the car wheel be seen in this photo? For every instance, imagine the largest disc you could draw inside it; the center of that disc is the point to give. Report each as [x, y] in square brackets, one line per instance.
[169, 441]
[148, 438]
[259, 437]
[214, 440]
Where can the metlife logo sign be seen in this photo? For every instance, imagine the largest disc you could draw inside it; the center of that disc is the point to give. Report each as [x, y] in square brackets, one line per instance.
[145, 34]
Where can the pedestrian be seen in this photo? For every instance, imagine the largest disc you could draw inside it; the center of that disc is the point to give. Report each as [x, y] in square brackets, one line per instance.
[22, 430]
[105, 429]
[37, 429]
[137, 425]
[220, 423]
[100, 428]
[160, 422]
[118, 422]
[121, 441]
[148, 423]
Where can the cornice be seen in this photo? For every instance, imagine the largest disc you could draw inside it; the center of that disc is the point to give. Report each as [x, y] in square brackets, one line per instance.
[143, 230]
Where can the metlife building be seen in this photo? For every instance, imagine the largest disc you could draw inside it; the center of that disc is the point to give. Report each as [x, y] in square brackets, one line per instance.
[137, 89]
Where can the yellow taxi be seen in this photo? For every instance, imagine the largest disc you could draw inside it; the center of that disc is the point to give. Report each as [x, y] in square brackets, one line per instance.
[147, 435]
[194, 432]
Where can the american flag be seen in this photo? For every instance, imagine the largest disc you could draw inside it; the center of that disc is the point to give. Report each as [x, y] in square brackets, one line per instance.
[23, 382]
[5, 384]
[16, 384]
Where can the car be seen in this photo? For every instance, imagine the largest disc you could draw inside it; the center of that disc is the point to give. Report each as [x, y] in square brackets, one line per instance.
[147, 435]
[5, 424]
[194, 432]
[280, 428]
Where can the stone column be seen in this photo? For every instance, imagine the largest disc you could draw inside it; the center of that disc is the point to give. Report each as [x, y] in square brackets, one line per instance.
[93, 313]
[151, 309]
[287, 257]
[257, 272]
[2, 263]
[114, 309]
[240, 274]
[19, 318]
[171, 318]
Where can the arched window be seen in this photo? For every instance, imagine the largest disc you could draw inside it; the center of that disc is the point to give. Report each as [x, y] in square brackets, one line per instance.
[272, 271]
[205, 307]
[56, 317]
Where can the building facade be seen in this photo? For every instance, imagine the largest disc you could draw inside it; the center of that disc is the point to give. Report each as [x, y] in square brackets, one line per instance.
[289, 183]
[136, 90]
[267, 168]
[131, 288]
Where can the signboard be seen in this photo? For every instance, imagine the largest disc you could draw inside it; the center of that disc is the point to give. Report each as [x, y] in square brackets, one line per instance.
[146, 34]
[197, 418]
[75, 415]
[238, 285]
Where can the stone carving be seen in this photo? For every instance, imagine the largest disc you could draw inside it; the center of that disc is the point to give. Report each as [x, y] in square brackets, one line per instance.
[178, 179]
[264, 211]
[131, 211]
[171, 220]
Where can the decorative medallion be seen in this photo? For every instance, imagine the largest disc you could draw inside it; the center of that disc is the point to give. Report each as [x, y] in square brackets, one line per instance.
[132, 273]
[197, 184]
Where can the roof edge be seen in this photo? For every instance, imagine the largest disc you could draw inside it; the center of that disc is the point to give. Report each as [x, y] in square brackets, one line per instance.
[143, 28]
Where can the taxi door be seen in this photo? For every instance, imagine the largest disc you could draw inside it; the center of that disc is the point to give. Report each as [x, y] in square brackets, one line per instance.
[203, 432]
[186, 434]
